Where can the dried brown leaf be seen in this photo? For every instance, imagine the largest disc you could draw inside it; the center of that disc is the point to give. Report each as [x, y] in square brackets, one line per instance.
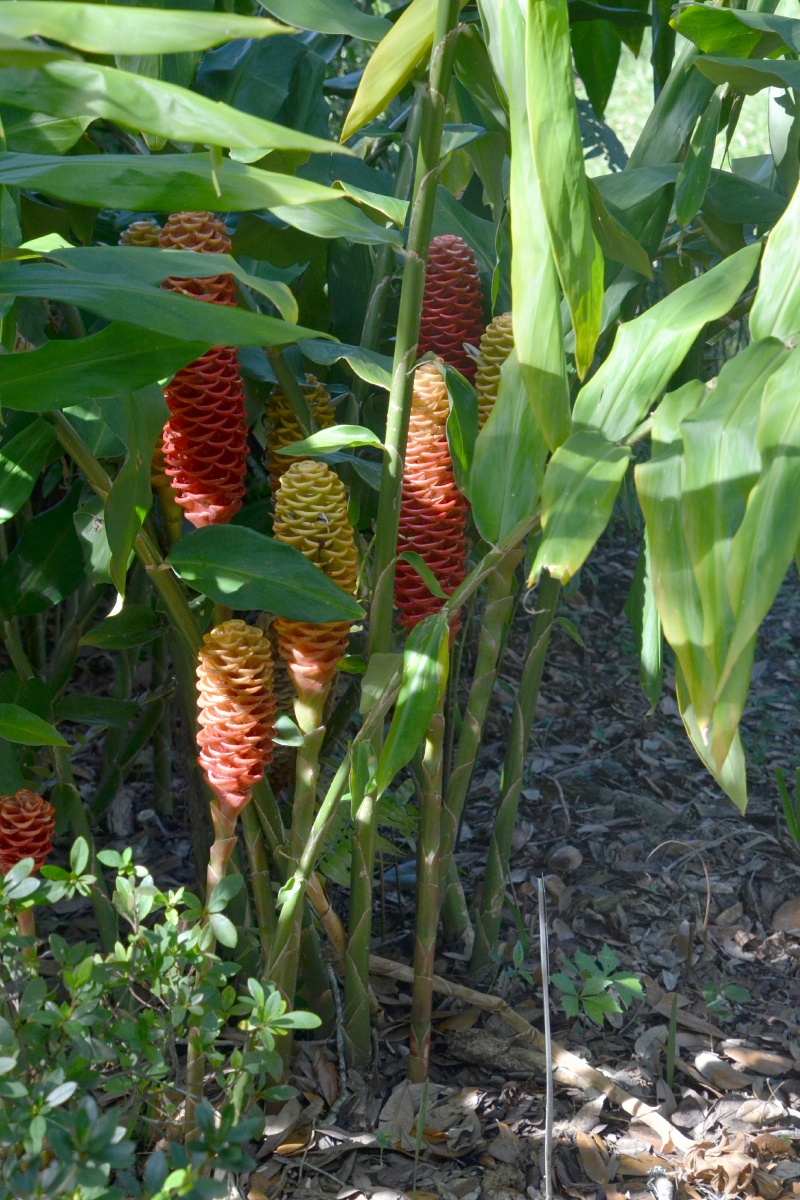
[593, 1161]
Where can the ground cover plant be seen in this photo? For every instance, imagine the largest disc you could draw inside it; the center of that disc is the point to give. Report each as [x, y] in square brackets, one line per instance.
[325, 369]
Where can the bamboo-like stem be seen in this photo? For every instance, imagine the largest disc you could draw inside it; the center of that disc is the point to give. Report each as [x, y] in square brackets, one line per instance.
[490, 907]
[260, 881]
[432, 111]
[427, 899]
[499, 602]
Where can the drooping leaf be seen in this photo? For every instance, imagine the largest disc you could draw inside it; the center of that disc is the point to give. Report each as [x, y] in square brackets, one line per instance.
[135, 625]
[727, 31]
[21, 461]
[329, 16]
[580, 485]
[338, 219]
[118, 298]
[615, 241]
[19, 725]
[649, 349]
[462, 424]
[117, 29]
[239, 567]
[776, 308]
[508, 464]
[95, 710]
[392, 64]
[750, 75]
[338, 437]
[45, 566]
[38, 133]
[367, 364]
[425, 666]
[558, 155]
[642, 612]
[678, 105]
[19, 54]
[71, 89]
[118, 359]
[596, 48]
[695, 170]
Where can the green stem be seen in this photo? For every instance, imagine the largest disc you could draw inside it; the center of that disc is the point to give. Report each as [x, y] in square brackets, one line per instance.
[490, 908]
[292, 391]
[16, 651]
[258, 859]
[427, 899]
[499, 602]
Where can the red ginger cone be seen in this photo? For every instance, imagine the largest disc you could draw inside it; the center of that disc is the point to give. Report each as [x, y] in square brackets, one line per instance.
[311, 514]
[237, 711]
[433, 512]
[205, 438]
[452, 307]
[27, 824]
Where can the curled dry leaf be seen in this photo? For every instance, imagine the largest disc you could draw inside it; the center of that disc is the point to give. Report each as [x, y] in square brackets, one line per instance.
[565, 858]
[721, 1074]
[763, 1062]
[786, 919]
[593, 1160]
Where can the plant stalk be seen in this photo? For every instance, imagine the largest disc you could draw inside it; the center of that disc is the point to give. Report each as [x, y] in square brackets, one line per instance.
[490, 907]
[427, 899]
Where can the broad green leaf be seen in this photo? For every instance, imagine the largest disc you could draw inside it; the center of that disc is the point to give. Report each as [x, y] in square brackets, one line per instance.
[642, 612]
[615, 241]
[732, 776]
[138, 420]
[776, 308]
[423, 570]
[18, 54]
[90, 526]
[70, 89]
[648, 350]
[578, 493]
[329, 16]
[119, 298]
[596, 48]
[19, 725]
[114, 29]
[536, 301]
[162, 182]
[338, 437]
[45, 566]
[680, 102]
[695, 172]
[37, 133]
[95, 710]
[425, 666]
[11, 777]
[750, 75]
[119, 359]
[338, 219]
[508, 463]
[135, 625]
[21, 461]
[462, 424]
[146, 264]
[367, 364]
[735, 33]
[558, 155]
[239, 567]
[388, 206]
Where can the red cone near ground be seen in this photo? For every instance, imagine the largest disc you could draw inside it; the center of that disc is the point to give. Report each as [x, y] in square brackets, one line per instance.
[205, 438]
[27, 824]
[452, 307]
[433, 512]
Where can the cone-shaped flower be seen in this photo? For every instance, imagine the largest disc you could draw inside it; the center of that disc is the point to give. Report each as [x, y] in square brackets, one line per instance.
[27, 824]
[311, 514]
[496, 345]
[237, 711]
[205, 438]
[452, 307]
[141, 233]
[283, 428]
[433, 512]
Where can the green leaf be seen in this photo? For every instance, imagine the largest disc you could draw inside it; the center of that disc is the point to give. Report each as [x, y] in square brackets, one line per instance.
[95, 710]
[369, 366]
[751, 75]
[695, 170]
[648, 350]
[563, 983]
[125, 299]
[21, 461]
[508, 464]
[462, 424]
[120, 359]
[224, 929]
[71, 89]
[329, 16]
[338, 437]
[558, 155]
[423, 570]
[135, 625]
[580, 485]
[642, 612]
[114, 29]
[37, 133]
[338, 219]
[163, 182]
[16, 53]
[19, 725]
[536, 300]
[776, 308]
[224, 892]
[717, 29]
[244, 569]
[392, 64]
[596, 48]
[79, 856]
[615, 241]
[680, 102]
[425, 664]
[45, 566]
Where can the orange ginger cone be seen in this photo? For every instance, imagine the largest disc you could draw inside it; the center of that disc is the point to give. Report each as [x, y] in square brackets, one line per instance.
[283, 427]
[452, 306]
[27, 825]
[205, 438]
[237, 719]
[141, 233]
[495, 347]
[433, 512]
[311, 514]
